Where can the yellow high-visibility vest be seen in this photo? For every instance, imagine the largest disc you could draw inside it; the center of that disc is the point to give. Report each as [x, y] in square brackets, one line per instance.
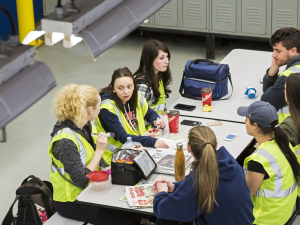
[275, 199]
[284, 112]
[64, 191]
[114, 145]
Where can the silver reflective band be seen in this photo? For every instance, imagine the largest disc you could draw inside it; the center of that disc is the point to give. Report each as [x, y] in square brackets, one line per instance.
[82, 152]
[284, 109]
[278, 192]
[107, 101]
[298, 151]
[62, 170]
[94, 122]
[141, 101]
[160, 107]
[112, 148]
[295, 69]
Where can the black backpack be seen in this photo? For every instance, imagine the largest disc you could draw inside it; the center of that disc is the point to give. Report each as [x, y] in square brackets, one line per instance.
[35, 203]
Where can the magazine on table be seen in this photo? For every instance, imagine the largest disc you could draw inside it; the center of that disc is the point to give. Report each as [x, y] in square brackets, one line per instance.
[140, 196]
[124, 199]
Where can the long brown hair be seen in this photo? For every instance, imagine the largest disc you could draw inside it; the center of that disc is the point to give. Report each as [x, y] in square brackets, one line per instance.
[149, 54]
[282, 141]
[122, 72]
[293, 97]
[202, 141]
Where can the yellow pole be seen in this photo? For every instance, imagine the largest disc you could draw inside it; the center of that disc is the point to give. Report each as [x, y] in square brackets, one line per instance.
[26, 19]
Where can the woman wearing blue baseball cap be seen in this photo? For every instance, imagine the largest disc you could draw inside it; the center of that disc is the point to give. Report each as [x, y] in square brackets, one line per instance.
[272, 169]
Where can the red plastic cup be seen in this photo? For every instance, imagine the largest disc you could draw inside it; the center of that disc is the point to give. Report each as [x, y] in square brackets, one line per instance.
[98, 179]
[173, 119]
[206, 96]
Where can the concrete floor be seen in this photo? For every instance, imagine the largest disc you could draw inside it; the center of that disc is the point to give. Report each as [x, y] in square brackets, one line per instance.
[28, 136]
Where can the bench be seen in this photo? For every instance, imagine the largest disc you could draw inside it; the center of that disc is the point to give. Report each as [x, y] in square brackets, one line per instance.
[57, 219]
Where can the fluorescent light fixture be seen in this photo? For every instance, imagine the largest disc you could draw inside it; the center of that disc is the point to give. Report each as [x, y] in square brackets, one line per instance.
[71, 40]
[23, 81]
[118, 23]
[31, 36]
[100, 23]
[51, 38]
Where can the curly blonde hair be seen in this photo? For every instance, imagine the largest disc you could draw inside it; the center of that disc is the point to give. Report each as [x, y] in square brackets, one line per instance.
[72, 101]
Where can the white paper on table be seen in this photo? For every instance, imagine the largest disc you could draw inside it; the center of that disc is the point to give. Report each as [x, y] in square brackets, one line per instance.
[172, 144]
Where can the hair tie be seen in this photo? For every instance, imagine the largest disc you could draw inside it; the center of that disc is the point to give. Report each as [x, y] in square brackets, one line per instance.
[207, 143]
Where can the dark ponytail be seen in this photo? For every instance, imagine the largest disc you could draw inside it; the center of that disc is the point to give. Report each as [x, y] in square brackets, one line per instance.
[283, 143]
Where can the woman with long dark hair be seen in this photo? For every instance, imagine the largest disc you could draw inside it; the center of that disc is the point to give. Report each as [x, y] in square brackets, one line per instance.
[154, 76]
[123, 112]
[272, 170]
[291, 125]
[215, 192]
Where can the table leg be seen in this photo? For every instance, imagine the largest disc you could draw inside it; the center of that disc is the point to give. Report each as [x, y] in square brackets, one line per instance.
[208, 46]
[3, 135]
[212, 46]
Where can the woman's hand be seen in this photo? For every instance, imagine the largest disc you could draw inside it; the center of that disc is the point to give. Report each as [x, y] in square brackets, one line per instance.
[170, 185]
[101, 142]
[161, 144]
[161, 186]
[160, 122]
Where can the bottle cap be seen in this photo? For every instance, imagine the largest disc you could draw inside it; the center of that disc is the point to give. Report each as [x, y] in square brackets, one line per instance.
[179, 145]
[129, 138]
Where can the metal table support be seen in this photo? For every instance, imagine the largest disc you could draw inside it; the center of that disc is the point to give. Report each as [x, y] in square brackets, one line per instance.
[3, 131]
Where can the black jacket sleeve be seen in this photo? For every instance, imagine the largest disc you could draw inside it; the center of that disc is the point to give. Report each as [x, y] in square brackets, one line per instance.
[273, 88]
[66, 151]
[111, 123]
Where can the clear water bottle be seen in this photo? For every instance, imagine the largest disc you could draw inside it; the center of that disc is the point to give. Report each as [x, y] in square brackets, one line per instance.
[128, 144]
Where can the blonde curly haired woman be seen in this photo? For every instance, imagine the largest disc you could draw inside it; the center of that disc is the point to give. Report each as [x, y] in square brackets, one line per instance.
[74, 154]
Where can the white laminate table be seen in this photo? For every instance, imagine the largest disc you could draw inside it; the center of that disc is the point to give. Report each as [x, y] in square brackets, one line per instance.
[247, 68]
[110, 197]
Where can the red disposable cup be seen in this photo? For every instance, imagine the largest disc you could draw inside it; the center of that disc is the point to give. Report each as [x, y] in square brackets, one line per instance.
[206, 96]
[173, 119]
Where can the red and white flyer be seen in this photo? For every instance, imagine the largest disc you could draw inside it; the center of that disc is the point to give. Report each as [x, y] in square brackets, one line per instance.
[140, 196]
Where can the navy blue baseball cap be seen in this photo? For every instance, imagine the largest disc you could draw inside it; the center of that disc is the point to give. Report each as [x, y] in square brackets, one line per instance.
[262, 113]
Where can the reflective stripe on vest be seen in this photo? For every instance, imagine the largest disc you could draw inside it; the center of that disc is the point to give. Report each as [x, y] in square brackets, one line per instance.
[295, 69]
[95, 122]
[160, 107]
[284, 109]
[278, 192]
[82, 151]
[298, 151]
[116, 109]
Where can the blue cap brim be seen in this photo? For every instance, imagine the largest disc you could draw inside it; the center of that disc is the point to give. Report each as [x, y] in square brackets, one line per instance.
[243, 111]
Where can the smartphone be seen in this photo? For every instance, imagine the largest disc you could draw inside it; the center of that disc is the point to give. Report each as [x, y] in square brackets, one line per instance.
[230, 137]
[185, 107]
[190, 122]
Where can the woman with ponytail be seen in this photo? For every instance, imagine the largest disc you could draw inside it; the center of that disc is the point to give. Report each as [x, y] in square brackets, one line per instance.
[272, 170]
[215, 192]
[291, 125]
[74, 154]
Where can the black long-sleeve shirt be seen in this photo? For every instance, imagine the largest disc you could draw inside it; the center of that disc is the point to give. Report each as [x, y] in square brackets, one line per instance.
[273, 86]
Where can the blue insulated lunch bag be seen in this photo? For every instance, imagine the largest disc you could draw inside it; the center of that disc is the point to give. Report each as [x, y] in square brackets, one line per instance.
[202, 73]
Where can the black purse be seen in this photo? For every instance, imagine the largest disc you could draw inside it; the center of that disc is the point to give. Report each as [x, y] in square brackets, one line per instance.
[142, 167]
